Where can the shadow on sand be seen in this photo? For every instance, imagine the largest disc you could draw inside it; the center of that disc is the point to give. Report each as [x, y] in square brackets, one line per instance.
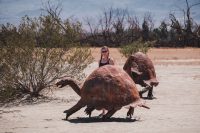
[147, 98]
[97, 119]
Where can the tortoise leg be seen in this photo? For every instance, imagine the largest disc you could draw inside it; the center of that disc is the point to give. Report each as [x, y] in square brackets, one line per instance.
[103, 113]
[144, 90]
[109, 114]
[75, 108]
[130, 112]
[150, 93]
[89, 110]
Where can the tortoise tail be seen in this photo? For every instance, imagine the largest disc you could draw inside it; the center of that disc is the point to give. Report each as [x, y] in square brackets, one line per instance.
[144, 106]
[139, 103]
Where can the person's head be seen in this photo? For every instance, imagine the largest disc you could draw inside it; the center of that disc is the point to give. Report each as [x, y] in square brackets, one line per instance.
[104, 52]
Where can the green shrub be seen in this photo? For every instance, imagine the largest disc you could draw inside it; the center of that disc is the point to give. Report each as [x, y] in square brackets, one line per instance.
[134, 47]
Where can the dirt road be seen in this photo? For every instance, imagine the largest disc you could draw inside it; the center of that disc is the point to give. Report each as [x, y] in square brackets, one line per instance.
[176, 109]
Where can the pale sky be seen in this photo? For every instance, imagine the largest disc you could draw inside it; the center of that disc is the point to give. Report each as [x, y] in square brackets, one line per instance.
[12, 10]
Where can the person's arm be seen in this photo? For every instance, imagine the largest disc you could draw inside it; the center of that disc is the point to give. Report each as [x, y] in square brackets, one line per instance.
[111, 61]
[99, 62]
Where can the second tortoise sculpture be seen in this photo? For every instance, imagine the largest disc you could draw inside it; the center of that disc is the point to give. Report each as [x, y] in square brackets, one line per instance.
[141, 69]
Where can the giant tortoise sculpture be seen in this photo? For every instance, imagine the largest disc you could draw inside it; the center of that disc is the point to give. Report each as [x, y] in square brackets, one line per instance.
[107, 87]
[141, 69]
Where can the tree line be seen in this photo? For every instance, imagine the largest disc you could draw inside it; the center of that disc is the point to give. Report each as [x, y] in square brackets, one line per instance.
[117, 27]
[114, 27]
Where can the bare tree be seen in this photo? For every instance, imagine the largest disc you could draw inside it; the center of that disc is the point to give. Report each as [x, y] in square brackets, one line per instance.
[93, 35]
[176, 25]
[184, 31]
[147, 27]
[69, 26]
[106, 26]
[119, 23]
[133, 28]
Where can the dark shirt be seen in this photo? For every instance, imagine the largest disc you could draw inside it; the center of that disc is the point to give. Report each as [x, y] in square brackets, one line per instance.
[103, 64]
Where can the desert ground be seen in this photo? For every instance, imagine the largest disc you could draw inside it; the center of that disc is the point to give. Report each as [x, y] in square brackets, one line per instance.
[176, 109]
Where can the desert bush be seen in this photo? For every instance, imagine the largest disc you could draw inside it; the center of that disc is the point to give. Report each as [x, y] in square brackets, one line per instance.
[28, 70]
[36, 54]
[136, 46]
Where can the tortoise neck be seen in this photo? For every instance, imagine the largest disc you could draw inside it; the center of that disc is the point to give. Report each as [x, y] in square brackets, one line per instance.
[72, 83]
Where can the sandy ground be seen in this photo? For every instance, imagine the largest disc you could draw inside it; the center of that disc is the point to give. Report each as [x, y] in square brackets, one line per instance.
[160, 56]
[176, 109]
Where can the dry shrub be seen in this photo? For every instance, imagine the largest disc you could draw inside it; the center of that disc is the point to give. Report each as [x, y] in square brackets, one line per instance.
[30, 70]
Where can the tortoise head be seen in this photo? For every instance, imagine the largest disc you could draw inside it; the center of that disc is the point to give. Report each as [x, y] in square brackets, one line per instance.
[140, 68]
[151, 82]
[132, 68]
[63, 83]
